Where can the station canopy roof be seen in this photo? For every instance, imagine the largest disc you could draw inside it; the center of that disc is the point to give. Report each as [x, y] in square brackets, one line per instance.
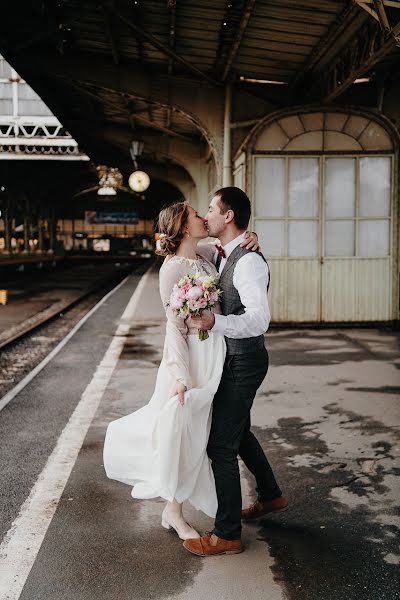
[78, 55]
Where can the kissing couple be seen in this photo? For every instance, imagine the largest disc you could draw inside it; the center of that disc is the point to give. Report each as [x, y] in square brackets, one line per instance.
[184, 444]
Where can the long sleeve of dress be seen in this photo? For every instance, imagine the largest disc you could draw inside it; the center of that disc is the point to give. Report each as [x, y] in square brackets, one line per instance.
[176, 354]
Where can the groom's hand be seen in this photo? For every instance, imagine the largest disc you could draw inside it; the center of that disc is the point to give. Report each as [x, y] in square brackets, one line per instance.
[251, 241]
[205, 321]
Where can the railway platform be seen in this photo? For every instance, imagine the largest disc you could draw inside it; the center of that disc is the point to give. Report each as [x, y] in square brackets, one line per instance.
[15, 260]
[326, 415]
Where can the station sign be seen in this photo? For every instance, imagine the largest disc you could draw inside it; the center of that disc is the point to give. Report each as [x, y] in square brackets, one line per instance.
[118, 218]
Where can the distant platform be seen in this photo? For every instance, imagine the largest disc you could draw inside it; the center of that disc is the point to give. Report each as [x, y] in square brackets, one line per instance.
[22, 259]
[28, 259]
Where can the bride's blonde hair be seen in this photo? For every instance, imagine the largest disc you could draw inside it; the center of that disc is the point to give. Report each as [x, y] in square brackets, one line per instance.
[171, 226]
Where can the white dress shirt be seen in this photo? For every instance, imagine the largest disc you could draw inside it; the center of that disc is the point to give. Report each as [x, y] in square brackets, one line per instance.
[250, 278]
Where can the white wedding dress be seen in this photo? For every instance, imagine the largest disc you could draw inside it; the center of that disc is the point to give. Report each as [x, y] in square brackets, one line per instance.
[160, 449]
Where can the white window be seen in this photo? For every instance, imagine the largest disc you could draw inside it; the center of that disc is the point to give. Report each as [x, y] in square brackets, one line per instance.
[331, 206]
[270, 187]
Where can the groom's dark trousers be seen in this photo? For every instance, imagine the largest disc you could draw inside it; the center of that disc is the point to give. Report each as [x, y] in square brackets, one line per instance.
[230, 435]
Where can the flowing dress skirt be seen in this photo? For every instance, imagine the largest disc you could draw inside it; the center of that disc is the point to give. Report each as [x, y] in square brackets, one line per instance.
[160, 449]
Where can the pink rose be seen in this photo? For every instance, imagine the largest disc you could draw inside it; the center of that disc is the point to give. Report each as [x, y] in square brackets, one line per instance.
[193, 305]
[176, 303]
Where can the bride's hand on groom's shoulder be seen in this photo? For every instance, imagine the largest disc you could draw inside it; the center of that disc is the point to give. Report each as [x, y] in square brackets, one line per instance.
[179, 389]
[251, 241]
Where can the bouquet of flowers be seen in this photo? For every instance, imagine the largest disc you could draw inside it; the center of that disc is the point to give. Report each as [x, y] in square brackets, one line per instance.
[193, 294]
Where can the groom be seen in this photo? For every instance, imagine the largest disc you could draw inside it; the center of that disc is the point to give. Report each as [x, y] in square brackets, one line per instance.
[244, 279]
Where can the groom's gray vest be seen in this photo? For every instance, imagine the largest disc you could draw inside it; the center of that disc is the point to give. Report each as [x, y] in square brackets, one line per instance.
[232, 305]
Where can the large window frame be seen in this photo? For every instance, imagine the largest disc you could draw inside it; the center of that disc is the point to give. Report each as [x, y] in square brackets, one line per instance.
[321, 218]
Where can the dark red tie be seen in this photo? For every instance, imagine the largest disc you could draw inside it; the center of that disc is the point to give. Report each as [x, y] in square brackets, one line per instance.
[220, 250]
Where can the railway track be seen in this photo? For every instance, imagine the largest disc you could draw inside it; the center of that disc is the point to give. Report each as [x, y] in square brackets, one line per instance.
[55, 310]
[23, 347]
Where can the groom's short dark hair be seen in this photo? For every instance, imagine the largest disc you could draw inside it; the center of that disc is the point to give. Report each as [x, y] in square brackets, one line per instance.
[233, 198]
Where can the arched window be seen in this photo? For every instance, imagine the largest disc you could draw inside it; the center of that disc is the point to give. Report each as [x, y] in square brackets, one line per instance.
[324, 132]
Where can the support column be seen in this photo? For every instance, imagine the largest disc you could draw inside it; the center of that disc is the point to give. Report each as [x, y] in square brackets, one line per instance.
[27, 230]
[52, 232]
[7, 231]
[40, 234]
[227, 166]
[73, 233]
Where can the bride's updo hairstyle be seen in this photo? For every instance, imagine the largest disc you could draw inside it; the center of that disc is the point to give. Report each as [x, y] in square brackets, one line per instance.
[172, 221]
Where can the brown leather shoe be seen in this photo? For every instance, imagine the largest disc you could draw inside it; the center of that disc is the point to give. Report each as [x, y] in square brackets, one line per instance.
[212, 545]
[263, 507]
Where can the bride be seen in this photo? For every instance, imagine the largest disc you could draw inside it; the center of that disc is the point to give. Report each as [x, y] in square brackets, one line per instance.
[160, 449]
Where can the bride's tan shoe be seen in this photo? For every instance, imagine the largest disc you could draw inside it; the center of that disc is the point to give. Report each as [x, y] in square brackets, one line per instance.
[188, 534]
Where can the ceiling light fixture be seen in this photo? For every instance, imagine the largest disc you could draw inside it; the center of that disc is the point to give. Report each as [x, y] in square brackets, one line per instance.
[110, 179]
[269, 81]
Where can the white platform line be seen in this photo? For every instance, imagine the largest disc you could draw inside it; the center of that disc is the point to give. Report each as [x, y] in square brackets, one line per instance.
[22, 542]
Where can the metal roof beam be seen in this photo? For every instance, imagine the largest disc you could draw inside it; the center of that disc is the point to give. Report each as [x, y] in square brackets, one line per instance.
[246, 14]
[380, 9]
[170, 132]
[172, 38]
[328, 43]
[240, 124]
[111, 34]
[172, 33]
[132, 123]
[367, 9]
[139, 111]
[168, 117]
[149, 38]
[378, 12]
[96, 96]
[369, 47]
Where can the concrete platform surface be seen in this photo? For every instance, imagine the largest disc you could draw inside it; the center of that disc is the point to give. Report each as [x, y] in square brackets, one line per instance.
[327, 415]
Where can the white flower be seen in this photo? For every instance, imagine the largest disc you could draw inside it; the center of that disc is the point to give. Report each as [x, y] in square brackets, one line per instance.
[194, 293]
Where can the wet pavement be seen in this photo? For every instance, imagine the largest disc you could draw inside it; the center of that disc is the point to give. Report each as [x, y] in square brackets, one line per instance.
[328, 417]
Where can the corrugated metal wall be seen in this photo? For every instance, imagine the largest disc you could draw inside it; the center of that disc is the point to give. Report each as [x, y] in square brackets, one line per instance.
[358, 289]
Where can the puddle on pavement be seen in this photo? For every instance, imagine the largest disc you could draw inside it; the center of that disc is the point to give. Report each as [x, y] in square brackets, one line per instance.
[326, 547]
